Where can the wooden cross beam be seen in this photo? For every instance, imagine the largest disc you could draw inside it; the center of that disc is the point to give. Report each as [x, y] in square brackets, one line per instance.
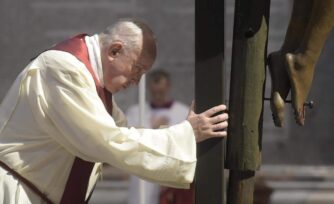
[250, 37]
[209, 91]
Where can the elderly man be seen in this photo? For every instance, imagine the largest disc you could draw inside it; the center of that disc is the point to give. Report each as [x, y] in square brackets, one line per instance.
[58, 122]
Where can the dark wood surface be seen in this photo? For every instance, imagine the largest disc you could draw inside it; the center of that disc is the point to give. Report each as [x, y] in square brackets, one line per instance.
[209, 88]
[246, 97]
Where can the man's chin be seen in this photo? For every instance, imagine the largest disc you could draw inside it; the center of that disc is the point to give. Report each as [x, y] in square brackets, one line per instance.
[111, 90]
[115, 90]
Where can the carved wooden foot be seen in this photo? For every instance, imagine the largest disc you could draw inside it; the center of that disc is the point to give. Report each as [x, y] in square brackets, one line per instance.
[300, 68]
[280, 86]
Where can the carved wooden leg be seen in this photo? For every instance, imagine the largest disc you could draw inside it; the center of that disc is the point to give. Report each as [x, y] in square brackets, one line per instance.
[301, 63]
[276, 61]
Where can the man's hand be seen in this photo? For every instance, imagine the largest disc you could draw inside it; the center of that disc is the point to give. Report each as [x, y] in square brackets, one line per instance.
[205, 125]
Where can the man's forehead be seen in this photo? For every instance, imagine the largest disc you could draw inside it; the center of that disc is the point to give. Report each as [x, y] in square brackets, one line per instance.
[145, 61]
[149, 48]
[147, 53]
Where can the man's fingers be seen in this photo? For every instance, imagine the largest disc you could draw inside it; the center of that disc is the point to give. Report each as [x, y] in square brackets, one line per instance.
[219, 118]
[219, 134]
[214, 110]
[219, 126]
[210, 123]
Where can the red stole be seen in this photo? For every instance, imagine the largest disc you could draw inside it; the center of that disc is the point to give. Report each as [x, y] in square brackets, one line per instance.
[77, 183]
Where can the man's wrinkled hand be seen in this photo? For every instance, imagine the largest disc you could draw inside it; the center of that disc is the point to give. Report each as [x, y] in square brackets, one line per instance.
[207, 124]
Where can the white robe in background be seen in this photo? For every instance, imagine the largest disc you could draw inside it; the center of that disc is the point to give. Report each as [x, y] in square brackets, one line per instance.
[52, 114]
[176, 113]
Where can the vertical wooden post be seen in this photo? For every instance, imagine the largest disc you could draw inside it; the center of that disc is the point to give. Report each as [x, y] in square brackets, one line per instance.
[209, 91]
[246, 97]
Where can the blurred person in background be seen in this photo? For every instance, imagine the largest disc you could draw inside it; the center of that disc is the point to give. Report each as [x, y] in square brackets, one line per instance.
[58, 122]
[161, 111]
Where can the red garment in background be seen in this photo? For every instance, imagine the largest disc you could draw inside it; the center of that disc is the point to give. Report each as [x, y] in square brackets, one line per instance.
[178, 196]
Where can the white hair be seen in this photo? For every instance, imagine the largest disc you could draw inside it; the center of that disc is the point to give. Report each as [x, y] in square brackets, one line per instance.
[125, 31]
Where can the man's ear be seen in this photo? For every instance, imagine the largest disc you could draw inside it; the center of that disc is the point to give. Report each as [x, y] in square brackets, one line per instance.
[114, 49]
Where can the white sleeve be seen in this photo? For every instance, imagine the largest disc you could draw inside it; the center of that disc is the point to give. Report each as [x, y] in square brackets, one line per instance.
[132, 115]
[118, 115]
[75, 117]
